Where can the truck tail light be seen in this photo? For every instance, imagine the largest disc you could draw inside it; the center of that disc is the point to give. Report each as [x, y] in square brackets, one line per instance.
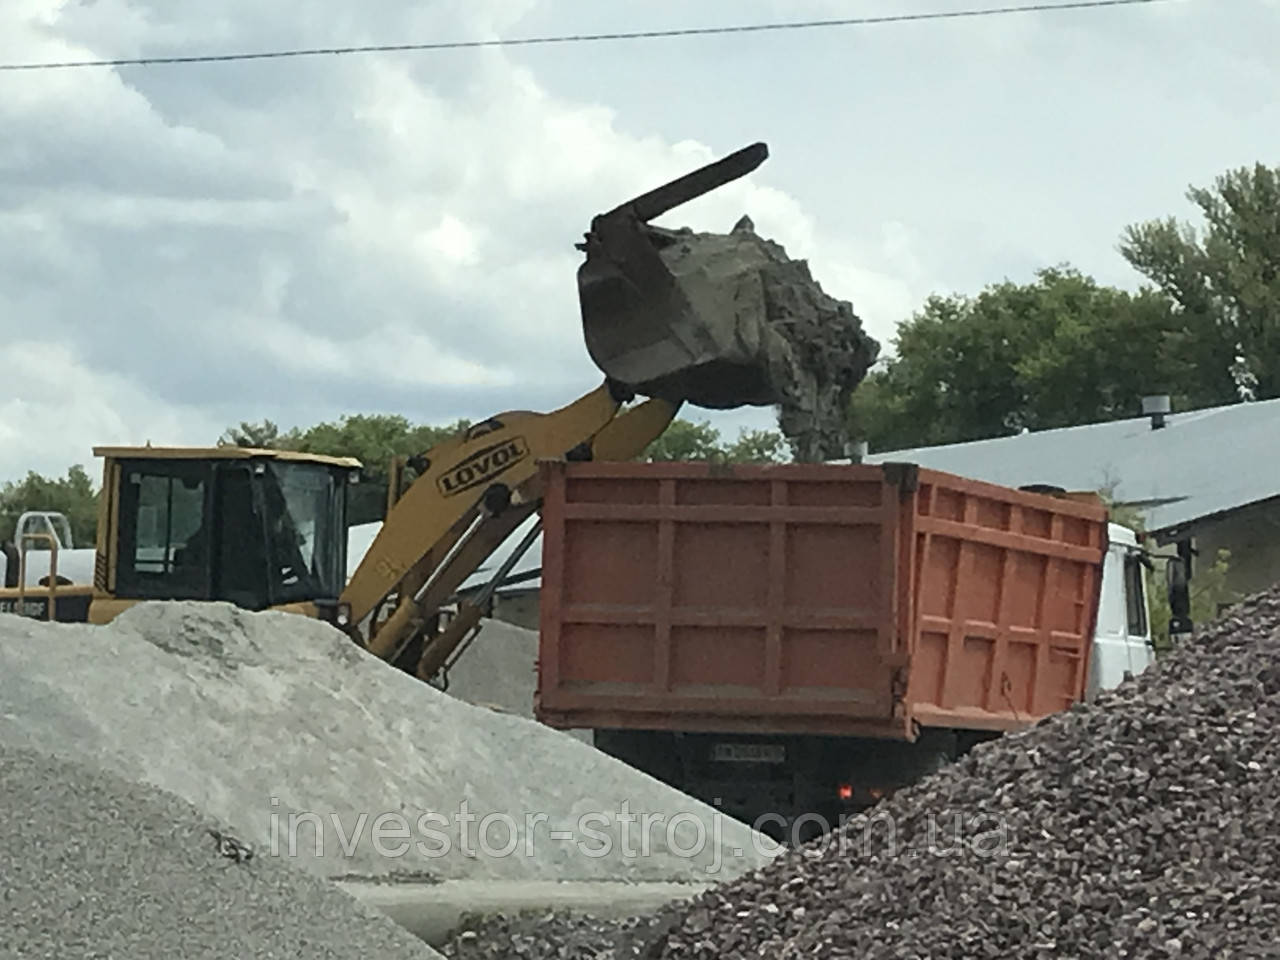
[846, 791]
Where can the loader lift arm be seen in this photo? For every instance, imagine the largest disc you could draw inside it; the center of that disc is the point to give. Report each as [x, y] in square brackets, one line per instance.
[266, 529]
[472, 492]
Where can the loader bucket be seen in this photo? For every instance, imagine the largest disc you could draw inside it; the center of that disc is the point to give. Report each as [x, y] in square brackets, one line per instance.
[660, 332]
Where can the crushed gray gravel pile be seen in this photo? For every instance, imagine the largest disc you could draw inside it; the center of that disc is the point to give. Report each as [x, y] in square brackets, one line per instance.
[97, 867]
[322, 754]
[558, 935]
[1145, 825]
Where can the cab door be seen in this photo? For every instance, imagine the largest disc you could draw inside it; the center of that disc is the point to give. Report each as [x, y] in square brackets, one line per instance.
[165, 530]
[1139, 649]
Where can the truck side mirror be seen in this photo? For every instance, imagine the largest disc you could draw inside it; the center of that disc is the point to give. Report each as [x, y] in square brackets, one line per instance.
[1179, 597]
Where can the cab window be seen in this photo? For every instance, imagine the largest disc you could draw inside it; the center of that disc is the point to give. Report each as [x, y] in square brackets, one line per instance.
[164, 539]
[1135, 596]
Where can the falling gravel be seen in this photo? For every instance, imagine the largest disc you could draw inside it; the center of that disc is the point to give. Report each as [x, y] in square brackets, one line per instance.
[321, 754]
[1144, 825]
[722, 320]
[762, 309]
[97, 867]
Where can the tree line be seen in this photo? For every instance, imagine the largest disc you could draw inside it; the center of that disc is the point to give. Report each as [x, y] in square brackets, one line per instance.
[1056, 351]
[1064, 350]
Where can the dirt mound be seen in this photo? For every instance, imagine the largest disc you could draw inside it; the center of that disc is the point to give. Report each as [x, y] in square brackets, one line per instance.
[322, 754]
[95, 866]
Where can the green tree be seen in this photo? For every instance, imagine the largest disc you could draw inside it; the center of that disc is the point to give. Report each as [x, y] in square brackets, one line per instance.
[373, 439]
[685, 440]
[73, 495]
[1058, 351]
[264, 435]
[757, 446]
[1225, 280]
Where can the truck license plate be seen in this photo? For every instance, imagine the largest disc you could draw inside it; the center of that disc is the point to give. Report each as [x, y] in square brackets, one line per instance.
[749, 753]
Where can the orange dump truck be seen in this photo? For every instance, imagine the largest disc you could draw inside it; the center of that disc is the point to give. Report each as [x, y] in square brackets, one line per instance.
[796, 641]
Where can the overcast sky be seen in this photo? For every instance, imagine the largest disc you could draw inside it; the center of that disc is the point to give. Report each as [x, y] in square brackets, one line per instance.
[185, 247]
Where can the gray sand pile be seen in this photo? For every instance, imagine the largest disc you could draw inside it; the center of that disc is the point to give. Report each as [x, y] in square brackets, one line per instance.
[95, 866]
[1144, 825]
[499, 670]
[257, 717]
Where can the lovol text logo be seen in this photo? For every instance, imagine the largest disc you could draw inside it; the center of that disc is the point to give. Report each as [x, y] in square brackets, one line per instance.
[483, 465]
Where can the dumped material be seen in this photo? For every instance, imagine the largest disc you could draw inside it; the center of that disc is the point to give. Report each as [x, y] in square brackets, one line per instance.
[563, 935]
[256, 717]
[1143, 826]
[98, 867]
[723, 320]
[500, 671]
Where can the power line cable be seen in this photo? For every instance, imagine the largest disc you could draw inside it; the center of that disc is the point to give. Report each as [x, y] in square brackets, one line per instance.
[582, 37]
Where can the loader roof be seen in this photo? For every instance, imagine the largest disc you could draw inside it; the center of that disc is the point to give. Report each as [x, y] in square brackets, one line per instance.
[223, 453]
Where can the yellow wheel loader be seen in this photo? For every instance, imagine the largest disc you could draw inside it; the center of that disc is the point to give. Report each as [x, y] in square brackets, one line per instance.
[267, 529]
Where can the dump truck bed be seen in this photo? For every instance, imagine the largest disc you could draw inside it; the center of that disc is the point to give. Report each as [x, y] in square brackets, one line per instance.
[828, 598]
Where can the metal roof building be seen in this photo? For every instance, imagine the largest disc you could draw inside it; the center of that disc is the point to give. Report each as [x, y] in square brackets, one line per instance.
[1197, 466]
[1212, 474]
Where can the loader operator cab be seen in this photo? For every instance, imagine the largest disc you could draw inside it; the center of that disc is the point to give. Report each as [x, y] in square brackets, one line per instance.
[256, 528]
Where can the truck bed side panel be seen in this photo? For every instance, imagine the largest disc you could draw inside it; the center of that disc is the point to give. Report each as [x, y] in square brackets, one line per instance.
[1007, 590]
[823, 598]
[708, 598]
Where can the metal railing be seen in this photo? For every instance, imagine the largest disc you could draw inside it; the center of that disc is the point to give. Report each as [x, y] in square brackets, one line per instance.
[51, 589]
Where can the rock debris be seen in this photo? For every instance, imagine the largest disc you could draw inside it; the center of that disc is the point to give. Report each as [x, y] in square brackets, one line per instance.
[314, 751]
[97, 867]
[763, 310]
[1143, 825]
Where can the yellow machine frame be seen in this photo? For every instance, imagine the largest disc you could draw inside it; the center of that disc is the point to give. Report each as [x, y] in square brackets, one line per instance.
[471, 493]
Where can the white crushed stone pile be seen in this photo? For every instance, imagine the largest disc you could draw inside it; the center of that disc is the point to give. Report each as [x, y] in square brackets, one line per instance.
[1145, 825]
[254, 717]
[98, 867]
[499, 670]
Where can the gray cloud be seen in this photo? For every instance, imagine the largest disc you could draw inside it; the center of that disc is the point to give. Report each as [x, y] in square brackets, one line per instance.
[192, 246]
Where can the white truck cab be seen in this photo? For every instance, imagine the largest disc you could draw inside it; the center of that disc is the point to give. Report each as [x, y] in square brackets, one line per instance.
[1122, 643]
